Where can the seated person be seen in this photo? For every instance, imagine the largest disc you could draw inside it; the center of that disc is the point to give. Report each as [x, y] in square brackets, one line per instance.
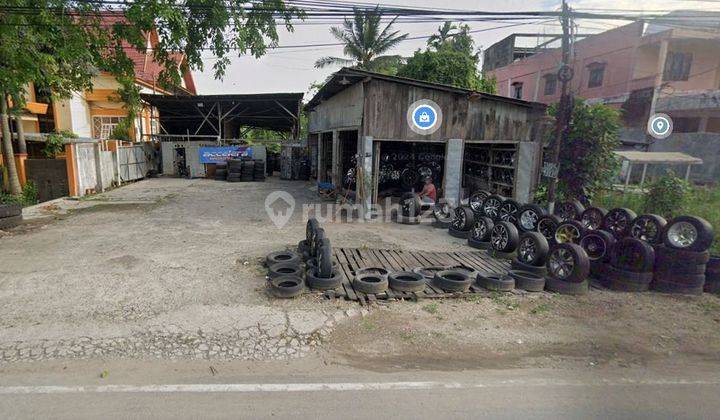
[429, 193]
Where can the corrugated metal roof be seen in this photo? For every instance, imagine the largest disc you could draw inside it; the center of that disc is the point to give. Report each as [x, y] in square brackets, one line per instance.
[658, 157]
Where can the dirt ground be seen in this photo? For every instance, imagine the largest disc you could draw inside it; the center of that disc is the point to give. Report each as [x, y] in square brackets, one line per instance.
[171, 268]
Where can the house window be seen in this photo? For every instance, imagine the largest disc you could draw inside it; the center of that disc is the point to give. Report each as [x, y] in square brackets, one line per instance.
[677, 66]
[550, 84]
[104, 126]
[517, 90]
[597, 73]
[686, 124]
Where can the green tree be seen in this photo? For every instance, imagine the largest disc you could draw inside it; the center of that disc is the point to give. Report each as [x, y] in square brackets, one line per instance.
[449, 59]
[587, 161]
[62, 44]
[365, 43]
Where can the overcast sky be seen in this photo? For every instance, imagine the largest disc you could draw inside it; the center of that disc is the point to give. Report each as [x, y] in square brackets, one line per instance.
[293, 70]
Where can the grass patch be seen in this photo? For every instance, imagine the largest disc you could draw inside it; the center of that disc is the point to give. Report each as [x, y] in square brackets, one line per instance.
[368, 326]
[474, 297]
[709, 307]
[431, 308]
[702, 202]
[407, 335]
[504, 300]
[541, 308]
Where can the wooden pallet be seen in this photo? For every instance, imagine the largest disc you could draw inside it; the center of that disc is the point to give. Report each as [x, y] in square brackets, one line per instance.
[351, 259]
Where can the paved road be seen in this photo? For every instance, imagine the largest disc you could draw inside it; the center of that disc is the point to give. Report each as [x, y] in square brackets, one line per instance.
[346, 394]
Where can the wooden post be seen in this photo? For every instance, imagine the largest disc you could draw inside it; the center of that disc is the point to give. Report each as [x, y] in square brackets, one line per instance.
[627, 177]
[687, 172]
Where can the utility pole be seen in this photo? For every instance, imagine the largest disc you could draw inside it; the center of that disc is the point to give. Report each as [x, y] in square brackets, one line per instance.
[565, 74]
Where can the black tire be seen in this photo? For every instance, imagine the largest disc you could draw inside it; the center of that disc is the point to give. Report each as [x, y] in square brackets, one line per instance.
[665, 255]
[10, 210]
[598, 271]
[517, 265]
[371, 270]
[233, 179]
[712, 285]
[713, 264]
[569, 210]
[476, 199]
[317, 241]
[303, 247]
[410, 205]
[464, 219]
[627, 281]
[491, 206]
[499, 254]
[462, 234]
[547, 226]
[312, 263]
[370, 283]
[284, 269]
[679, 267]
[561, 256]
[282, 257]
[311, 228]
[481, 229]
[478, 244]
[598, 245]
[528, 281]
[592, 218]
[686, 280]
[648, 228]
[10, 222]
[429, 271]
[452, 280]
[286, 286]
[566, 288]
[509, 211]
[617, 221]
[320, 283]
[504, 237]
[496, 282]
[406, 281]
[470, 271]
[633, 255]
[532, 249]
[528, 217]
[440, 225]
[662, 286]
[324, 259]
[675, 234]
[569, 231]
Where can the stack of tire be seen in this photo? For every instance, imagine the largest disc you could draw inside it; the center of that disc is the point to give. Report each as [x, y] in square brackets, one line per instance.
[10, 216]
[284, 274]
[259, 170]
[631, 266]
[528, 267]
[247, 171]
[322, 273]
[221, 172]
[683, 256]
[234, 170]
[568, 268]
[712, 275]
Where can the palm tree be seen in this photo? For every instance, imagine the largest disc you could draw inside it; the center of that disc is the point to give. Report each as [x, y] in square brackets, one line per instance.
[365, 43]
[438, 40]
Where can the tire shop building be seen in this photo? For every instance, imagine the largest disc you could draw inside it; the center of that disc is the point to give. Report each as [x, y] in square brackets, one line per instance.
[380, 135]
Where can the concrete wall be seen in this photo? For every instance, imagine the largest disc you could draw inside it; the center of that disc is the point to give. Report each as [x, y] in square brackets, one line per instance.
[705, 146]
[86, 169]
[109, 169]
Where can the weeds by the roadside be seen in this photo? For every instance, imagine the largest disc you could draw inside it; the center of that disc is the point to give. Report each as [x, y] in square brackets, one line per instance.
[431, 308]
[368, 326]
[709, 307]
[541, 308]
[503, 300]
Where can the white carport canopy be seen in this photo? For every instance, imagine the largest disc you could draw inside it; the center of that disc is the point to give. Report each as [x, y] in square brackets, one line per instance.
[656, 158]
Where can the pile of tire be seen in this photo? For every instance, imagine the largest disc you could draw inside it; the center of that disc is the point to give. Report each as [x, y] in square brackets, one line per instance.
[259, 170]
[234, 170]
[683, 256]
[568, 268]
[10, 216]
[247, 171]
[323, 273]
[221, 172]
[631, 266]
[285, 278]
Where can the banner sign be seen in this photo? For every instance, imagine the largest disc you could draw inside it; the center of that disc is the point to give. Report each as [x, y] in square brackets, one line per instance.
[221, 154]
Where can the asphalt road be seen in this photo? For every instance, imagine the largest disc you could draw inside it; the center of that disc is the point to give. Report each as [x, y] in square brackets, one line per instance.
[266, 391]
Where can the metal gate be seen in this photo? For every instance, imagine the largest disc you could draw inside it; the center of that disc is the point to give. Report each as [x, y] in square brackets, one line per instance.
[133, 163]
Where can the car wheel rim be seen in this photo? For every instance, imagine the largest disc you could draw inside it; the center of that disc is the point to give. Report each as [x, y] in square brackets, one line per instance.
[594, 246]
[480, 230]
[527, 251]
[528, 220]
[547, 229]
[618, 221]
[561, 263]
[682, 234]
[500, 237]
[491, 208]
[567, 234]
[507, 213]
[592, 220]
